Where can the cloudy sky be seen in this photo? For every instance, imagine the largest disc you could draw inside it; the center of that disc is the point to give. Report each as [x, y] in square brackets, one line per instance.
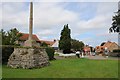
[89, 21]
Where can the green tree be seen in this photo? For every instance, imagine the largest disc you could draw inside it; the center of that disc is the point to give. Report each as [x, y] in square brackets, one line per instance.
[77, 45]
[0, 38]
[65, 39]
[3, 36]
[116, 22]
[9, 38]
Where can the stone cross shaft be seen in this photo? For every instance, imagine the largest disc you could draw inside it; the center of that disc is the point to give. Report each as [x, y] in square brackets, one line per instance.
[31, 21]
[31, 42]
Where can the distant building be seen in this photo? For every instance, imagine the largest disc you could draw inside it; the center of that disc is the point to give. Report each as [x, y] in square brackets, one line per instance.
[49, 43]
[110, 46]
[99, 49]
[25, 37]
[87, 50]
[55, 44]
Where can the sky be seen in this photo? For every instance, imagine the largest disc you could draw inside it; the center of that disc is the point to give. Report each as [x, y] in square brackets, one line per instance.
[89, 21]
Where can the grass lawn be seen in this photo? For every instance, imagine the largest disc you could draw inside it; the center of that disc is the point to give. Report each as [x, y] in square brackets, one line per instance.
[68, 68]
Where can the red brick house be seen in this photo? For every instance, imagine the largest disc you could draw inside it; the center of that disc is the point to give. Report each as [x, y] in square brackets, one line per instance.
[87, 50]
[25, 37]
[110, 46]
[49, 43]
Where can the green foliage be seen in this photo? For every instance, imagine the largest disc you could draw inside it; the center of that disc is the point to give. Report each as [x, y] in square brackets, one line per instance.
[44, 44]
[65, 39]
[77, 45]
[116, 23]
[3, 35]
[9, 37]
[13, 35]
[115, 53]
[50, 51]
[116, 50]
[6, 52]
[0, 38]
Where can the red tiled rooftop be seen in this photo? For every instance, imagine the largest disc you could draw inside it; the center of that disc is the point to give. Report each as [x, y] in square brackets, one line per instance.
[26, 36]
[107, 44]
[48, 42]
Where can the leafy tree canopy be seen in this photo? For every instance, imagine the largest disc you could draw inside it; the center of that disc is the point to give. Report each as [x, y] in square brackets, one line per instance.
[10, 37]
[76, 44]
[116, 23]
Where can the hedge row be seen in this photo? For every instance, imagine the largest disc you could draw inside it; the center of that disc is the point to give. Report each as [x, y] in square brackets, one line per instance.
[6, 52]
[116, 50]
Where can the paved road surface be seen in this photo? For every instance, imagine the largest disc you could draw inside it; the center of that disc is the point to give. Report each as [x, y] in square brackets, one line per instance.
[90, 57]
[102, 57]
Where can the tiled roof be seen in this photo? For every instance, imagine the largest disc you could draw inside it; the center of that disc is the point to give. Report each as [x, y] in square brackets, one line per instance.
[25, 36]
[87, 48]
[108, 44]
[100, 47]
[56, 43]
[48, 42]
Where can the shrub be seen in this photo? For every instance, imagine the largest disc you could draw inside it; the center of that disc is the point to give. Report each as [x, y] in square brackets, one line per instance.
[50, 51]
[114, 54]
[116, 51]
[67, 51]
[6, 52]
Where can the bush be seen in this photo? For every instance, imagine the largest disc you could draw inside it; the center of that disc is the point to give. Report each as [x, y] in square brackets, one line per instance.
[114, 54]
[6, 52]
[67, 51]
[50, 51]
[116, 51]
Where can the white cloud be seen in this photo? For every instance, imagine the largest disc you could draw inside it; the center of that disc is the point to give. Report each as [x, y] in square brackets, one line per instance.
[49, 18]
[0, 15]
[105, 8]
[60, 0]
[45, 33]
[95, 23]
[14, 15]
[100, 22]
[50, 14]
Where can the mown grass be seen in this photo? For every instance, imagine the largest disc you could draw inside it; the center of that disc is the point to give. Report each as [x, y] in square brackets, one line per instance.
[68, 68]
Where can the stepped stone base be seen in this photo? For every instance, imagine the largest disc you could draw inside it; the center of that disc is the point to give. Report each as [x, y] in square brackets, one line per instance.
[31, 43]
[28, 58]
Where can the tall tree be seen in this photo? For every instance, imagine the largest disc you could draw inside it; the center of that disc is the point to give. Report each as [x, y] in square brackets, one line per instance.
[65, 39]
[116, 21]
